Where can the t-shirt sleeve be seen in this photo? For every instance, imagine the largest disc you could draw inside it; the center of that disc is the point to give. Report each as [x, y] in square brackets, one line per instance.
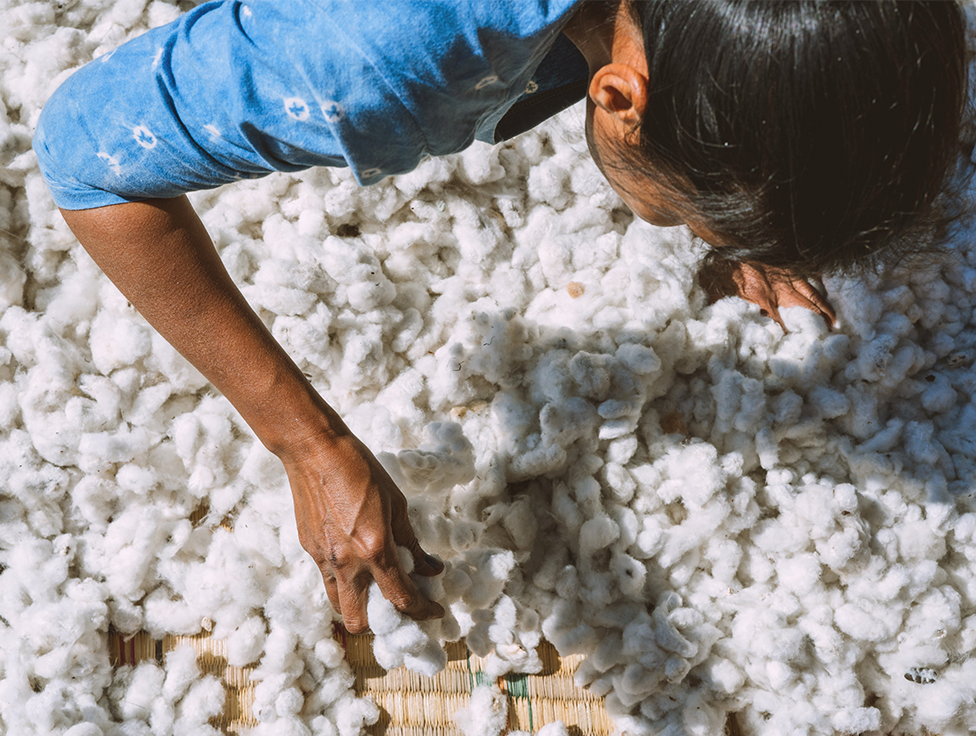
[237, 89]
[229, 91]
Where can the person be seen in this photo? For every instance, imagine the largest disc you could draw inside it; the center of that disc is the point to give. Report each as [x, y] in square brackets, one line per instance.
[794, 138]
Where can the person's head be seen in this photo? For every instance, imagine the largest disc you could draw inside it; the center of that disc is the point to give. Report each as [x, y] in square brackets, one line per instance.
[806, 135]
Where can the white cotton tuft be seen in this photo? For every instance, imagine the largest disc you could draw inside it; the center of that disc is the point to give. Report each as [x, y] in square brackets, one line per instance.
[352, 714]
[144, 687]
[329, 653]
[181, 671]
[857, 720]
[556, 728]
[486, 714]
[598, 533]
[84, 729]
[402, 641]
[204, 700]
[245, 645]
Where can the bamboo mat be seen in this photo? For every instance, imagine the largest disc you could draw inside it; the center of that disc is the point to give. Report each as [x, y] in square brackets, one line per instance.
[410, 704]
[414, 705]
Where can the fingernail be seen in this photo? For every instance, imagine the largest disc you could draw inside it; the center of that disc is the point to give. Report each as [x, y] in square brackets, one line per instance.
[433, 562]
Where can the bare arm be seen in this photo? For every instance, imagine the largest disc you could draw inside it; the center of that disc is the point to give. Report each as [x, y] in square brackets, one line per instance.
[350, 514]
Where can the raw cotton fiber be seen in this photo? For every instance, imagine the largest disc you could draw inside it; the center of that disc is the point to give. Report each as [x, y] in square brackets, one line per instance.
[720, 516]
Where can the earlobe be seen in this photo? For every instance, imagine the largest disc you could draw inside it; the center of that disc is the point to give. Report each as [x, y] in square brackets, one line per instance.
[620, 90]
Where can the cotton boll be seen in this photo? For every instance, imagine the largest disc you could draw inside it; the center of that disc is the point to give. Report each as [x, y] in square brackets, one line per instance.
[204, 700]
[12, 277]
[637, 683]
[448, 463]
[938, 395]
[322, 726]
[799, 574]
[100, 450]
[265, 692]
[666, 635]
[724, 676]
[368, 295]
[117, 340]
[351, 714]
[619, 481]
[699, 717]
[842, 547]
[255, 537]
[407, 638]
[591, 372]
[629, 574]
[620, 451]
[428, 661]
[289, 702]
[550, 379]
[639, 359]
[564, 422]
[597, 533]
[488, 571]
[857, 720]
[918, 541]
[556, 728]
[486, 715]
[246, 644]
[521, 524]
[400, 640]
[725, 556]
[329, 653]
[84, 729]
[874, 624]
[694, 474]
[181, 671]
[144, 687]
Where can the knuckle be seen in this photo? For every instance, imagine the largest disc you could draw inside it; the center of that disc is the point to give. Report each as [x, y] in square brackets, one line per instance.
[355, 626]
[375, 550]
[340, 559]
[405, 603]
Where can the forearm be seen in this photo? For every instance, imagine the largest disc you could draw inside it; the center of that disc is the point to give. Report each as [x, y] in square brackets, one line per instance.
[159, 255]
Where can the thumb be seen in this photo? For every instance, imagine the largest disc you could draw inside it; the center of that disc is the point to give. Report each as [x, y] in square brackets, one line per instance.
[423, 563]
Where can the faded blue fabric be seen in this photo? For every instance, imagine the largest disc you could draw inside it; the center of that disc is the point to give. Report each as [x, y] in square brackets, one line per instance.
[240, 88]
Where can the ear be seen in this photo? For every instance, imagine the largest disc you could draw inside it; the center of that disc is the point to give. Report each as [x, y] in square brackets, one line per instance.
[620, 90]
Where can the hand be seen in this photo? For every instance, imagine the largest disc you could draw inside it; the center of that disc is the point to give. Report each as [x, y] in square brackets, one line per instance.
[351, 519]
[770, 288]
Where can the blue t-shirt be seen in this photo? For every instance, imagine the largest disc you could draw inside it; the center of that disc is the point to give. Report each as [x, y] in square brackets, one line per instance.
[240, 88]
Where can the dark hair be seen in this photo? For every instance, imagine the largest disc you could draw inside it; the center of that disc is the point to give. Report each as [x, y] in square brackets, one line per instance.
[807, 135]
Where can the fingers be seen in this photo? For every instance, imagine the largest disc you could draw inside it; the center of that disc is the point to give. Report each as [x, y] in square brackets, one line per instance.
[331, 589]
[772, 311]
[417, 606]
[399, 589]
[769, 288]
[403, 534]
[816, 301]
[353, 592]
[349, 593]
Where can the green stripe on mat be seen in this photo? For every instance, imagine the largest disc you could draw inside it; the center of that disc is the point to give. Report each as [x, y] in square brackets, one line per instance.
[518, 688]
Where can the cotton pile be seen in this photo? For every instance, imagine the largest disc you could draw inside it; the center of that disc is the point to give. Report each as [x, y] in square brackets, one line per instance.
[719, 516]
